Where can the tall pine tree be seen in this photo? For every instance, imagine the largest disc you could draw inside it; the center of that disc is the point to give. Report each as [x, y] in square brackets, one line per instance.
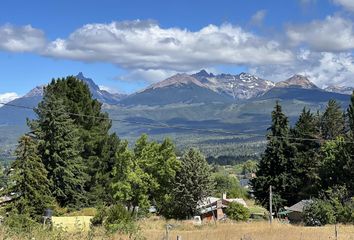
[276, 167]
[332, 122]
[93, 128]
[306, 137]
[31, 186]
[59, 148]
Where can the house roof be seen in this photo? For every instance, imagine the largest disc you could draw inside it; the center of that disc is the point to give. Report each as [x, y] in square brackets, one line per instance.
[299, 207]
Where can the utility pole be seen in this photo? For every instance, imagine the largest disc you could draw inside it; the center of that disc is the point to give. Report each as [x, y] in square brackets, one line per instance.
[270, 204]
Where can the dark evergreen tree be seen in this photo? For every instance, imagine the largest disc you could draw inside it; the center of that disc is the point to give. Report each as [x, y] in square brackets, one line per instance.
[332, 122]
[59, 148]
[276, 168]
[93, 128]
[306, 137]
[31, 186]
[193, 184]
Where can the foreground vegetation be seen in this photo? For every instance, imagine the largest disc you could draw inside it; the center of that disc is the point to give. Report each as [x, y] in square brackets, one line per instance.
[69, 161]
[156, 229]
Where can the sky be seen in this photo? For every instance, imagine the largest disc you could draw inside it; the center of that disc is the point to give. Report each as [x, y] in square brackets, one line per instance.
[125, 45]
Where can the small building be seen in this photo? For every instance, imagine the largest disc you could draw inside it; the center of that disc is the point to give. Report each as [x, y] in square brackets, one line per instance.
[213, 208]
[295, 212]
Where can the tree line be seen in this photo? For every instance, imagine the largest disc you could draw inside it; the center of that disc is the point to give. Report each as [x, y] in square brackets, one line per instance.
[314, 159]
[69, 159]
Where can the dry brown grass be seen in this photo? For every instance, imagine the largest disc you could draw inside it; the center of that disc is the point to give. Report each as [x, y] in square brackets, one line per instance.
[250, 231]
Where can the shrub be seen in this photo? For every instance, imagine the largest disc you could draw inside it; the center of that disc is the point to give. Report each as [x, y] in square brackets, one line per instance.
[116, 218]
[319, 213]
[237, 212]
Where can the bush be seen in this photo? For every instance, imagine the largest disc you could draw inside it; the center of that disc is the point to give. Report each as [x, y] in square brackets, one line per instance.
[115, 218]
[237, 212]
[319, 213]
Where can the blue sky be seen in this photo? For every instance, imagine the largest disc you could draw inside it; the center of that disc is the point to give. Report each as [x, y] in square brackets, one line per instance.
[126, 45]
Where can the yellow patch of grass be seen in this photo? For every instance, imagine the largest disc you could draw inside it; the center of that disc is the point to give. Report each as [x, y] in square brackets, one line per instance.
[73, 223]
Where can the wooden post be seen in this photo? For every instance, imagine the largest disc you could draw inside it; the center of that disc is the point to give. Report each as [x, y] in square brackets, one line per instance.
[336, 232]
[167, 232]
[270, 204]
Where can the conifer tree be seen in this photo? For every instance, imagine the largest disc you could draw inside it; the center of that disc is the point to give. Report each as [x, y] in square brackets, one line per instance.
[193, 184]
[93, 128]
[59, 149]
[306, 137]
[350, 113]
[332, 122]
[31, 186]
[276, 168]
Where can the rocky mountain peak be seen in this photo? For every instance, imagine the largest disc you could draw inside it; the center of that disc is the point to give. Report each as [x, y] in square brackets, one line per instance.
[297, 81]
[202, 74]
[177, 80]
[36, 92]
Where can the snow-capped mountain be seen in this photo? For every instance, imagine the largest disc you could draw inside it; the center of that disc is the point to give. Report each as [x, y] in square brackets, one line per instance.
[240, 87]
[180, 88]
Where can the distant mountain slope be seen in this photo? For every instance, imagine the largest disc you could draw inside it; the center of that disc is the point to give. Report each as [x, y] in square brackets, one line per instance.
[340, 89]
[297, 81]
[180, 88]
[10, 115]
[302, 94]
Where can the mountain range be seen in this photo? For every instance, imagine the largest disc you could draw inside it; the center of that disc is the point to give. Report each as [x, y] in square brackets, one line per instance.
[228, 112]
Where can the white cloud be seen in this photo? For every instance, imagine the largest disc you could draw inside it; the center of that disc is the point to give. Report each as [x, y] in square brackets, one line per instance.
[258, 17]
[145, 45]
[347, 4]
[7, 97]
[323, 68]
[21, 39]
[150, 75]
[332, 34]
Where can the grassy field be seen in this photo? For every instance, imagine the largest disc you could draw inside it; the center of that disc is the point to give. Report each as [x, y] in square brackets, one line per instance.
[156, 230]
[246, 231]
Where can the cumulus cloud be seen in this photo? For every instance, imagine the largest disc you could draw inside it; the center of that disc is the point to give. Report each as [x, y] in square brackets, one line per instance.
[7, 97]
[332, 34]
[21, 39]
[324, 68]
[258, 17]
[145, 45]
[347, 4]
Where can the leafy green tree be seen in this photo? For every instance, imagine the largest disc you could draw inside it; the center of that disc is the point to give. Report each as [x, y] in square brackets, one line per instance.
[319, 213]
[276, 168]
[237, 212]
[59, 148]
[229, 185]
[193, 183]
[250, 166]
[145, 176]
[130, 183]
[332, 122]
[31, 186]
